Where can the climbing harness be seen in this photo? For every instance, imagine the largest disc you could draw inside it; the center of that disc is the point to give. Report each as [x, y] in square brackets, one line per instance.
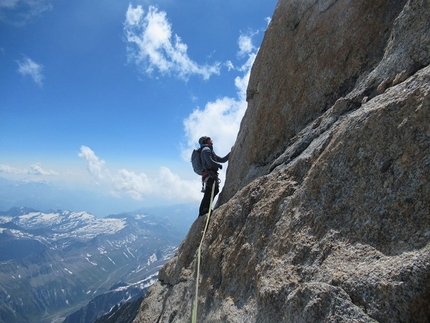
[194, 314]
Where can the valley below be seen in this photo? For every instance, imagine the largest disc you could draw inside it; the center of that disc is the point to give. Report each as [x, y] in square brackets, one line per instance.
[57, 263]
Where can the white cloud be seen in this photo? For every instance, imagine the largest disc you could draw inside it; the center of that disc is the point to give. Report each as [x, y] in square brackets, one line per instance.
[221, 119]
[218, 120]
[28, 67]
[36, 169]
[133, 16]
[245, 45]
[19, 12]
[229, 65]
[164, 184]
[152, 46]
[11, 170]
[94, 164]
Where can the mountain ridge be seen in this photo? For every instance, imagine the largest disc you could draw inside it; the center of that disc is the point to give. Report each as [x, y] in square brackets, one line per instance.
[54, 262]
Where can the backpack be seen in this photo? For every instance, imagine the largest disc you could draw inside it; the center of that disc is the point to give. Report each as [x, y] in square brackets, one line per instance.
[196, 161]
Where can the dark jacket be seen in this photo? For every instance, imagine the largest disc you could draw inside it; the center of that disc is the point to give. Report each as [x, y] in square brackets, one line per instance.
[210, 160]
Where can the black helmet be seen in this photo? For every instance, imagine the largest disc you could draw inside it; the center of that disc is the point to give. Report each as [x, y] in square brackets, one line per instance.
[203, 140]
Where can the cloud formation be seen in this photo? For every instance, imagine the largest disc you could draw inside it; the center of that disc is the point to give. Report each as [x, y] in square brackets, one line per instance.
[221, 119]
[35, 169]
[27, 66]
[164, 184]
[11, 170]
[19, 12]
[245, 45]
[153, 47]
[95, 166]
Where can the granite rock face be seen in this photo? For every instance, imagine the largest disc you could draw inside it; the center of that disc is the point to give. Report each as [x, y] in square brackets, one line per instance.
[314, 53]
[325, 214]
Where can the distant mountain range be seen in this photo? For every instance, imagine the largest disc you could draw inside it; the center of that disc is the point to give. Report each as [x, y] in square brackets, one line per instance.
[53, 263]
[46, 195]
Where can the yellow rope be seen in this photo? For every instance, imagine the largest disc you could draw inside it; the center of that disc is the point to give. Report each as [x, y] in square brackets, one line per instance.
[194, 314]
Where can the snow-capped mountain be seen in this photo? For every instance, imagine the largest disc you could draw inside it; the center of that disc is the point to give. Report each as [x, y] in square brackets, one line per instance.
[52, 263]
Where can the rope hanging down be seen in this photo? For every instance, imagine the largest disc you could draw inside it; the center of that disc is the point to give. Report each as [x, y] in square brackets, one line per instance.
[194, 314]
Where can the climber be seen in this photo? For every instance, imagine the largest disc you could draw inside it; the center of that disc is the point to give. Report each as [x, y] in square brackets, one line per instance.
[210, 163]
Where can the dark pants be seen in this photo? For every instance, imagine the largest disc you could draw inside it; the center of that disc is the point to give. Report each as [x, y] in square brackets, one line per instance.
[206, 201]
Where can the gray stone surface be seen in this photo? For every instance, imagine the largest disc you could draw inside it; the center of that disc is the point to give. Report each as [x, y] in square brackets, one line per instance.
[325, 215]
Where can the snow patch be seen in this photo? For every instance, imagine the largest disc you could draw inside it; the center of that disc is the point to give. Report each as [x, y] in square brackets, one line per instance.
[140, 216]
[91, 262]
[68, 271]
[112, 261]
[5, 219]
[128, 249]
[152, 259]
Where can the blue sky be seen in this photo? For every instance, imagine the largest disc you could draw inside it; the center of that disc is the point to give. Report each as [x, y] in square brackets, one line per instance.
[111, 96]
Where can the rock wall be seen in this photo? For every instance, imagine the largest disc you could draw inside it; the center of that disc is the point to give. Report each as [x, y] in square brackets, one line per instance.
[325, 214]
[313, 53]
